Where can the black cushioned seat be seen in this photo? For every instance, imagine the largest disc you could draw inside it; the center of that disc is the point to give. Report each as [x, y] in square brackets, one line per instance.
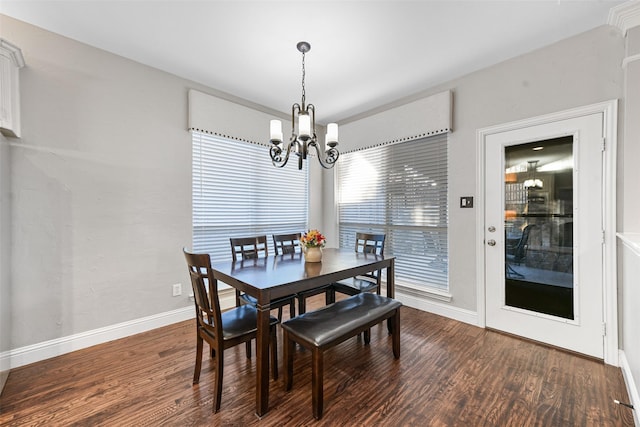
[324, 328]
[240, 320]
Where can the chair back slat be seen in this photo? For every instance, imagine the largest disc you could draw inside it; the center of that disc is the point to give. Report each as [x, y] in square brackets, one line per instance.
[370, 243]
[207, 303]
[248, 247]
[284, 244]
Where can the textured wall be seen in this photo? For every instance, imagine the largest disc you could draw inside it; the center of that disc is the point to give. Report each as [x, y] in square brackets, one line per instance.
[101, 188]
[574, 72]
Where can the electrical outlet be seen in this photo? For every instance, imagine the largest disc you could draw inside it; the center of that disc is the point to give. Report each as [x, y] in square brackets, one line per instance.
[177, 289]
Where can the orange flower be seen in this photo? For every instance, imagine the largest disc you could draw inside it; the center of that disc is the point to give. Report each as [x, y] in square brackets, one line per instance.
[313, 238]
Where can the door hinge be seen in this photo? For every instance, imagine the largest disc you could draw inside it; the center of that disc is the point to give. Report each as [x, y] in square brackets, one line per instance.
[604, 144]
[603, 238]
[604, 329]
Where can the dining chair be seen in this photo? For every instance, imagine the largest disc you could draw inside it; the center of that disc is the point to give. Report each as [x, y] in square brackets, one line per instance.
[221, 330]
[516, 254]
[290, 244]
[245, 248]
[370, 282]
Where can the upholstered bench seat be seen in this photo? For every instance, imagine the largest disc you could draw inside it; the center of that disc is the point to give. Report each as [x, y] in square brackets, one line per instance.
[329, 326]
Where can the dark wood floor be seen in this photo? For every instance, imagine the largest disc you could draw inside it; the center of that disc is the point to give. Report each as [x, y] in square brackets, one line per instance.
[449, 374]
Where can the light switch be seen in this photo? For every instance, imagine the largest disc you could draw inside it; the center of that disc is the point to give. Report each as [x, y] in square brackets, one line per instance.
[466, 202]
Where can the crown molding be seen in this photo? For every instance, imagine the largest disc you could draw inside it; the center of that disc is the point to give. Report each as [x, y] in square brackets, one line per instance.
[13, 52]
[625, 16]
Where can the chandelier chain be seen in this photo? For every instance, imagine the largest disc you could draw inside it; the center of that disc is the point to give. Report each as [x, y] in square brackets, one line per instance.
[303, 88]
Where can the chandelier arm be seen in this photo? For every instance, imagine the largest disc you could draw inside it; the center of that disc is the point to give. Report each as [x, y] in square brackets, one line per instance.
[331, 156]
[276, 155]
[311, 110]
[294, 108]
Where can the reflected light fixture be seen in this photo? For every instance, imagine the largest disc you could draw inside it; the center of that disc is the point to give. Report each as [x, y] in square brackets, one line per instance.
[305, 138]
[533, 183]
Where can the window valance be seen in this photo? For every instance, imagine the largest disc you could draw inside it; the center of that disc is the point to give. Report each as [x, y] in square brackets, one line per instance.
[217, 116]
[424, 117]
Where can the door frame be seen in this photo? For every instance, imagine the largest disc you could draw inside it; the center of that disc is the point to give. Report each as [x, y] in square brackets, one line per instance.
[609, 110]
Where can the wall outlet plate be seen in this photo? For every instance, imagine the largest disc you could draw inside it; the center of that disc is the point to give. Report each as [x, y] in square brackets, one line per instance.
[177, 289]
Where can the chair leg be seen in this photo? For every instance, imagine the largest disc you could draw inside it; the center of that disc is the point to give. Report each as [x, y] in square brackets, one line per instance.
[199, 348]
[247, 346]
[280, 314]
[367, 336]
[302, 305]
[396, 334]
[292, 308]
[328, 299]
[218, 380]
[274, 352]
[317, 402]
[332, 296]
[288, 348]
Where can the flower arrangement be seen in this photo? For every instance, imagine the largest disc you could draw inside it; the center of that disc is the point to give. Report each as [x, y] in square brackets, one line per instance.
[313, 239]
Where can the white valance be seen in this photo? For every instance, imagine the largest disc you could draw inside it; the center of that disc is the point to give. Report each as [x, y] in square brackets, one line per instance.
[228, 119]
[425, 117]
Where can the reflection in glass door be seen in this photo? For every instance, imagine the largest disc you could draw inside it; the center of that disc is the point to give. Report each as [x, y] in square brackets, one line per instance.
[538, 215]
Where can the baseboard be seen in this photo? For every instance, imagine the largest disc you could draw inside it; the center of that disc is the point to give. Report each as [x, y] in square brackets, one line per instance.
[56, 347]
[632, 390]
[460, 314]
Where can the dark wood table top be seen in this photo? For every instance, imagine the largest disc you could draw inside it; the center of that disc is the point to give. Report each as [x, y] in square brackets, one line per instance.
[283, 275]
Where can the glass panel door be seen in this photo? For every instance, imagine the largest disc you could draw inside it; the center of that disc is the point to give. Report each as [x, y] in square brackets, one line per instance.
[538, 224]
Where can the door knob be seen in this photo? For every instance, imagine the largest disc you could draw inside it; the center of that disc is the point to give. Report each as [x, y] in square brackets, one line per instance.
[491, 242]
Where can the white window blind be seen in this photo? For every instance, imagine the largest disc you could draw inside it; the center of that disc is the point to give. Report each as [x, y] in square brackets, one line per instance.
[237, 192]
[400, 190]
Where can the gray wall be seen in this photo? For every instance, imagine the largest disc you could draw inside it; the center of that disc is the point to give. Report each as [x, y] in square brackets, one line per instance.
[629, 192]
[5, 266]
[101, 189]
[578, 71]
[629, 261]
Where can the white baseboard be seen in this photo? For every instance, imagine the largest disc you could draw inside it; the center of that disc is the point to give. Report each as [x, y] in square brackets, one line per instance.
[632, 390]
[56, 347]
[460, 314]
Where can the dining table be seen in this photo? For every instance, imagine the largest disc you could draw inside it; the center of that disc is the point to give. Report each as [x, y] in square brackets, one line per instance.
[277, 276]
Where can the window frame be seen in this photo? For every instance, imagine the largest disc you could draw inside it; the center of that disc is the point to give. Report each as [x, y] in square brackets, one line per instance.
[261, 201]
[396, 226]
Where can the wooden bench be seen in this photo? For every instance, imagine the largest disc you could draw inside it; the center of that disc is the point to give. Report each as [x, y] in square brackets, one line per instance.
[329, 326]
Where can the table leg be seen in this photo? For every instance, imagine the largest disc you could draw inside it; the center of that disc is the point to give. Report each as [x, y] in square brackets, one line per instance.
[262, 360]
[391, 288]
[391, 279]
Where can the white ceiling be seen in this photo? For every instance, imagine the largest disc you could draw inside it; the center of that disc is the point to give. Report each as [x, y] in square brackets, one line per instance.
[363, 53]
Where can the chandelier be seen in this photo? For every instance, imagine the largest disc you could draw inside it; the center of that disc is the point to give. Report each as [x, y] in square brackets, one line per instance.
[301, 142]
[533, 183]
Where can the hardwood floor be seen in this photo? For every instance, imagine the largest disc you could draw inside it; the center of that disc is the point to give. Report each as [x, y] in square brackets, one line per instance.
[449, 374]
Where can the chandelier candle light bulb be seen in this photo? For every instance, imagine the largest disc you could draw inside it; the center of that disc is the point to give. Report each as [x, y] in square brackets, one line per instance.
[332, 135]
[276, 131]
[304, 122]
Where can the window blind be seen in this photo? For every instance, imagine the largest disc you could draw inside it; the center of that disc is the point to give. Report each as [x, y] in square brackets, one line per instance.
[400, 190]
[238, 193]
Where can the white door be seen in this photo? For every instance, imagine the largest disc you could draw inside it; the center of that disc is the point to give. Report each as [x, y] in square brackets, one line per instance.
[544, 233]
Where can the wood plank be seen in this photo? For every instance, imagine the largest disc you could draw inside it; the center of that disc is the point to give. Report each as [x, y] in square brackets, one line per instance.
[449, 373]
